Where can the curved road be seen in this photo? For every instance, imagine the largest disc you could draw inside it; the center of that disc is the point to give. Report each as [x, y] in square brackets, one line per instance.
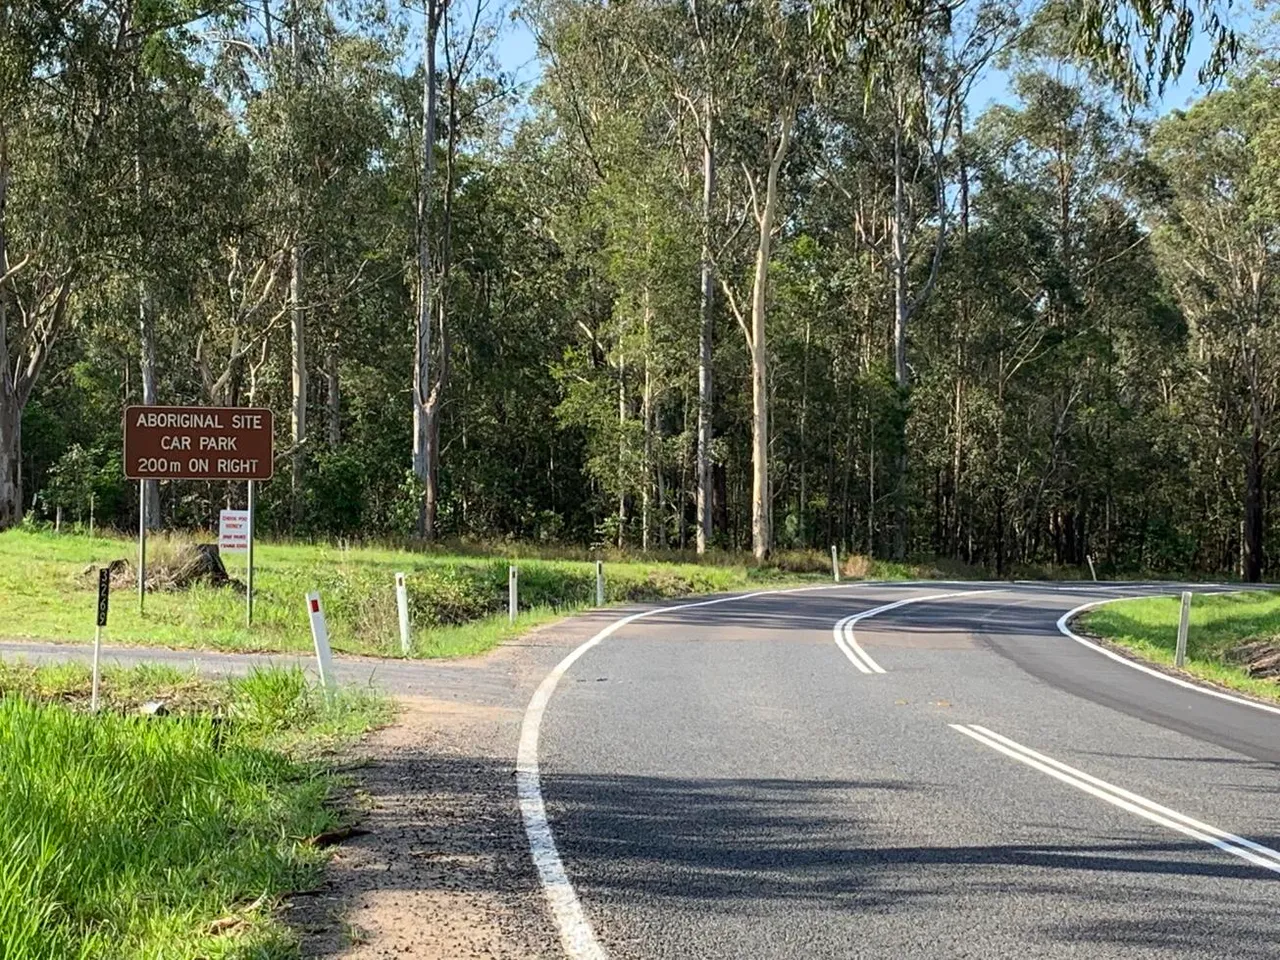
[727, 780]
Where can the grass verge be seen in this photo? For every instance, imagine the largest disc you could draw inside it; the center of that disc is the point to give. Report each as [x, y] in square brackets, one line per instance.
[1219, 624]
[457, 600]
[129, 837]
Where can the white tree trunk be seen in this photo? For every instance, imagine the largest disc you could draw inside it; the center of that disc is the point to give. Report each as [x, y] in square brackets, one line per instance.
[298, 362]
[705, 337]
[761, 498]
[646, 414]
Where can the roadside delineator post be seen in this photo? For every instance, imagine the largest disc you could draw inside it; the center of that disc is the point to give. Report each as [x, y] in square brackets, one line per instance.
[57, 520]
[1092, 572]
[91, 515]
[402, 608]
[512, 592]
[104, 594]
[599, 583]
[835, 564]
[1184, 622]
[320, 635]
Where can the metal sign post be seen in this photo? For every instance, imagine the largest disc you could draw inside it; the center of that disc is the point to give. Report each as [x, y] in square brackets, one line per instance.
[402, 608]
[248, 576]
[142, 545]
[104, 594]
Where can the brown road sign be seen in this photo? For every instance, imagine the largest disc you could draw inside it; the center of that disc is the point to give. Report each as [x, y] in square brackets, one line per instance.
[197, 443]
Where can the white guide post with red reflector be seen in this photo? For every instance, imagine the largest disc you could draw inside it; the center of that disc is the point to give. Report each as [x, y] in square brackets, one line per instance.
[320, 634]
[402, 608]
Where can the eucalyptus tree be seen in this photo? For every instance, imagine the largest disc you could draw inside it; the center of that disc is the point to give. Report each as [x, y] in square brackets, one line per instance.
[1218, 234]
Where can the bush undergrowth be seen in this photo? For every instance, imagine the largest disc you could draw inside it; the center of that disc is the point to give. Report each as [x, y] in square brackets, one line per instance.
[124, 836]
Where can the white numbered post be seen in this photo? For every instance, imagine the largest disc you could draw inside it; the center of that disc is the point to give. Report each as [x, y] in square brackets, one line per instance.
[512, 593]
[599, 583]
[835, 564]
[1092, 572]
[320, 634]
[1184, 622]
[104, 596]
[402, 607]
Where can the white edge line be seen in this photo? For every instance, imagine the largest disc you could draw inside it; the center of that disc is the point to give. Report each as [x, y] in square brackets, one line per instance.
[576, 935]
[1118, 801]
[1207, 691]
[1132, 797]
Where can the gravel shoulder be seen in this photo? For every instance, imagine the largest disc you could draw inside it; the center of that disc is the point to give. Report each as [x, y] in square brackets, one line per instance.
[438, 866]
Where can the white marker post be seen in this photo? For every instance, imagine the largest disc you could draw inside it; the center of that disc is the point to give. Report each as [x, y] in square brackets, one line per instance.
[320, 634]
[57, 520]
[599, 583]
[835, 564]
[1184, 622]
[1092, 572]
[512, 593]
[104, 594]
[402, 607]
[91, 515]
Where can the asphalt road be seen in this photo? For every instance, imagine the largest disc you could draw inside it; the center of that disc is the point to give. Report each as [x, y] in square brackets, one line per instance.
[725, 781]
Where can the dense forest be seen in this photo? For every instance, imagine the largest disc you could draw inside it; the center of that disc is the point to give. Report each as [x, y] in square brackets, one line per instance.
[734, 275]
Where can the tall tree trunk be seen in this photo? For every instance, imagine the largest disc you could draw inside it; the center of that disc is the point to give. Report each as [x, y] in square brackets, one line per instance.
[1253, 513]
[10, 408]
[10, 451]
[297, 272]
[423, 318]
[435, 399]
[900, 311]
[146, 328]
[333, 396]
[622, 445]
[706, 335]
[646, 416]
[761, 497]
[298, 363]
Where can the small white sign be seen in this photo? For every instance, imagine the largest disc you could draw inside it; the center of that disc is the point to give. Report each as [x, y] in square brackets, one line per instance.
[233, 531]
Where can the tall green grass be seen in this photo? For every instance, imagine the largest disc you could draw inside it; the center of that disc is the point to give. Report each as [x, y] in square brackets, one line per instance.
[128, 837]
[1218, 624]
[458, 601]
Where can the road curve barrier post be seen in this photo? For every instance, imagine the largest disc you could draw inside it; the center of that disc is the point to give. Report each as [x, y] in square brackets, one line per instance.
[513, 592]
[1184, 622]
[1092, 572]
[835, 564]
[320, 636]
[599, 583]
[402, 608]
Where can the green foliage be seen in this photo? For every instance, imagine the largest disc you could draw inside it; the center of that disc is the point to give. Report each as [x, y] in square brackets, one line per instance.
[126, 836]
[1217, 626]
